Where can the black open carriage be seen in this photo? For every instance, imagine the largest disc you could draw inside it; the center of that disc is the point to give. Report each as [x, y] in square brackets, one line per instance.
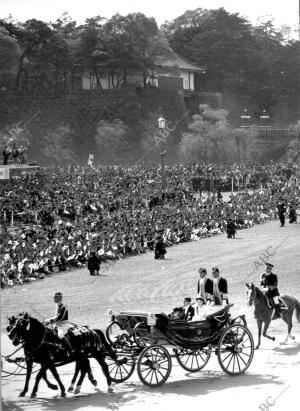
[151, 340]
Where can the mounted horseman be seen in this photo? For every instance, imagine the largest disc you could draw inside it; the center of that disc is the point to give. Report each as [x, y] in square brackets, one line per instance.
[61, 323]
[269, 305]
[269, 283]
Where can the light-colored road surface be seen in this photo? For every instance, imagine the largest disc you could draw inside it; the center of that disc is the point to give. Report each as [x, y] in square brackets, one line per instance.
[142, 283]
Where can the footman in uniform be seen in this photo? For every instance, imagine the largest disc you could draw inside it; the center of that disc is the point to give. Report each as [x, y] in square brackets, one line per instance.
[205, 286]
[220, 288]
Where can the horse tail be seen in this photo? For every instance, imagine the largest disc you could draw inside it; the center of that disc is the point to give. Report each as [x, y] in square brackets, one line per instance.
[297, 307]
[106, 344]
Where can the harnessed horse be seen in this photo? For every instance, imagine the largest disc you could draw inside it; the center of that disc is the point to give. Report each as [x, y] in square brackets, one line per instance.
[40, 344]
[83, 366]
[263, 312]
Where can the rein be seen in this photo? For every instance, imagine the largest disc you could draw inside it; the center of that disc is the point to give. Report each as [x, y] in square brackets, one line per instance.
[257, 300]
[8, 356]
[22, 340]
[43, 340]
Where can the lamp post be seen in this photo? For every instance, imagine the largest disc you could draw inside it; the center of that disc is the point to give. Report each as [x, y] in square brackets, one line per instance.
[165, 129]
[264, 116]
[245, 117]
[162, 155]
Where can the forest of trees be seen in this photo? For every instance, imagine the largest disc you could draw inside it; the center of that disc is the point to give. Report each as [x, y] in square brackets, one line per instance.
[260, 62]
[240, 58]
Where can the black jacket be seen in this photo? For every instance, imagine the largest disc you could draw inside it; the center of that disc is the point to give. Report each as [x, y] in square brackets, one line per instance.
[189, 314]
[160, 247]
[231, 228]
[208, 286]
[94, 262]
[269, 279]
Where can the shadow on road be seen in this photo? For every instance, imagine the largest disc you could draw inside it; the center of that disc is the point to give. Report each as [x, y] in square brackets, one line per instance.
[207, 382]
[193, 384]
[288, 350]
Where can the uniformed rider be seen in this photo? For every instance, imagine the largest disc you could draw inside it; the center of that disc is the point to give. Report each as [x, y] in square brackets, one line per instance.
[205, 286]
[61, 320]
[269, 283]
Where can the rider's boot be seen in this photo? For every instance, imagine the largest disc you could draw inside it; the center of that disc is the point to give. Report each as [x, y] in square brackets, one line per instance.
[277, 312]
[67, 345]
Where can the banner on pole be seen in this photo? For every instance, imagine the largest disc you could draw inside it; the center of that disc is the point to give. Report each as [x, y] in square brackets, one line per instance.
[4, 173]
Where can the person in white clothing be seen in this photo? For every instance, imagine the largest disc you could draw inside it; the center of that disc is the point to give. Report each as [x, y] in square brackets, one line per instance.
[202, 310]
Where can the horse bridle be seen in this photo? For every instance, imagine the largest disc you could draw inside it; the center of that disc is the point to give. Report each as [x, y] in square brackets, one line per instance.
[254, 296]
[22, 339]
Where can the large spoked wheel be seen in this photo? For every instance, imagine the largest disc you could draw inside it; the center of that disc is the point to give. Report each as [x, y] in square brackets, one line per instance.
[141, 335]
[121, 370]
[115, 333]
[235, 349]
[192, 360]
[154, 366]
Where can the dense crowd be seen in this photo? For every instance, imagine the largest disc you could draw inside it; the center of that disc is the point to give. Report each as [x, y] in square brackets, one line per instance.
[53, 220]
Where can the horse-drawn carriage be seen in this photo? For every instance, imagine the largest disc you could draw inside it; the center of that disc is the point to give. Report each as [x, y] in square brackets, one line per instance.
[140, 340]
[150, 340]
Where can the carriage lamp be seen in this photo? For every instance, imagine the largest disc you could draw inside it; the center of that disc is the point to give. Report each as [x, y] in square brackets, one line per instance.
[110, 314]
[151, 322]
[151, 319]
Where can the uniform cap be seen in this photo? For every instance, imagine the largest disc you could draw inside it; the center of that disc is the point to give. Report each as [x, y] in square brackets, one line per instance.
[58, 294]
[202, 270]
[269, 265]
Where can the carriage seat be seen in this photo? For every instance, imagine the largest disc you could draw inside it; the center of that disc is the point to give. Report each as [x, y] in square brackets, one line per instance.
[220, 314]
[177, 324]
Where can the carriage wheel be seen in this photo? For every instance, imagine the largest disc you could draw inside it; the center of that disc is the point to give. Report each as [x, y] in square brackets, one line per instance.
[154, 366]
[192, 360]
[141, 335]
[235, 349]
[123, 369]
[113, 331]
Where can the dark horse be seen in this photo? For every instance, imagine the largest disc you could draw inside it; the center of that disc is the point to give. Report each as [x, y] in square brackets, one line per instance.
[41, 344]
[263, 312]
[82, 366]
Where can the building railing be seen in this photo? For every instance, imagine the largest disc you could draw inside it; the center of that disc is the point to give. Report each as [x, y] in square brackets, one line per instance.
[276, 133]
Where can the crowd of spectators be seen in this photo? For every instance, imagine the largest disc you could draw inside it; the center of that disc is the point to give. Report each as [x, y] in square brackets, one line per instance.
[51, 221]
